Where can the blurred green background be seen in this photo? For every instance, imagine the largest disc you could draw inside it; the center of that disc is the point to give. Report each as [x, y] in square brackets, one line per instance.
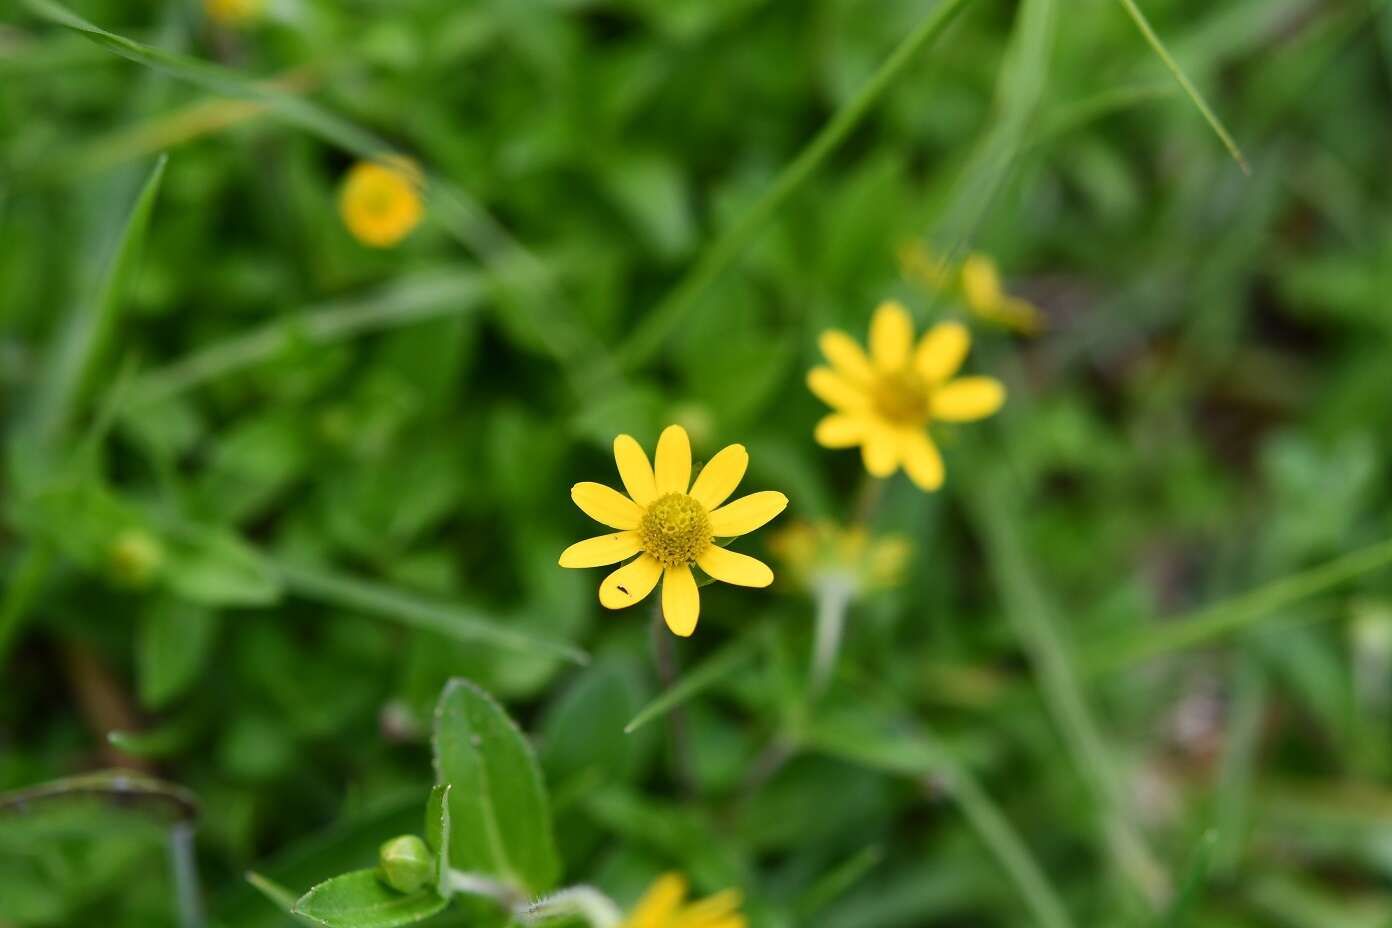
[253, 529]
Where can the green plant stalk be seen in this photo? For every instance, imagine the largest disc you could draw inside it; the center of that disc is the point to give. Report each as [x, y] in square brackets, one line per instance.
[1187, 85]
[709, 672]
[927, 761]
[1032, 618]
[647, 339]
[1240, 612]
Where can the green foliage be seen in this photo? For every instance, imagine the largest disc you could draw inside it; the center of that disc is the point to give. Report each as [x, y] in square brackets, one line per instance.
[361, 900]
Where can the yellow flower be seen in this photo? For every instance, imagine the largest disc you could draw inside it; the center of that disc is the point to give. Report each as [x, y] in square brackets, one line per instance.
[664, 906]
[982, 290]
[233, 12]
[976, 281]
[885, 402]
[670, 523]
[824, 552]
[380, 201]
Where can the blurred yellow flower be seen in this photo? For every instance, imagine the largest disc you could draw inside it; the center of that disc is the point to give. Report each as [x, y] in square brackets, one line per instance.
[234, 12]
[976, 281]
[380, 201]
[817, 553]
[671, 523]
[885, 402]
[664, 905]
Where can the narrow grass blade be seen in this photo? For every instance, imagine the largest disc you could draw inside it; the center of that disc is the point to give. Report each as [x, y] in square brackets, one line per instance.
[78, 348]
[278, 895]
[1191, 888]
[415, 611]
[921, 758]
[1032, 617]
[1190, 90]
[710, 671]
[1234, 615]
[648, 337]
[416, 299]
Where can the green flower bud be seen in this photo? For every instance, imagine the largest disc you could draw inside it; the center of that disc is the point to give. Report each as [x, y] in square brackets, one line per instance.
[133, 558]
[407, 863]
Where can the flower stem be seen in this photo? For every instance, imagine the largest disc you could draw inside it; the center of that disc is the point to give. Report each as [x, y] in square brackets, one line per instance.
[678, 736]
[833, 599]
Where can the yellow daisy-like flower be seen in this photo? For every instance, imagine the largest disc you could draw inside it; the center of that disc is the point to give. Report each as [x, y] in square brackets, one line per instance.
[233, 12]
[976, 281]
[885, 402]
[671, 523]
[380, 201]
[664, 905]
[825, 552]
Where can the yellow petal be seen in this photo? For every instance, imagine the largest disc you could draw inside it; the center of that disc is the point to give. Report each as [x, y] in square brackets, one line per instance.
[880, 452]
[846, 356]
[981, 283]
[606, 505]
[673, 461]
[659, 903]
[732, 567]
[601, 550]
[922, 462]
[712, 911]
[836, 391]
[631, 583]
[839, 430]
[634, 470]
[747, 513]
[681, 601]
[941, 351]
[718, 479]
[891, 336]
[967, 399]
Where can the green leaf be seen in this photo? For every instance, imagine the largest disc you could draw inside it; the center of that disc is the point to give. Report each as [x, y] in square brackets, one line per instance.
[361, 900]
[501, 820]
[438, 833]
[172, 648]
[216, 568]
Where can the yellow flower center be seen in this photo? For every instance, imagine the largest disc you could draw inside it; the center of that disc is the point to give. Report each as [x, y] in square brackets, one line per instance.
[901, 398]
[675, 529]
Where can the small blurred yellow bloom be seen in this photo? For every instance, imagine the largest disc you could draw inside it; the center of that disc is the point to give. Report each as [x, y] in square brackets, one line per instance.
[884, 403]
[234, 12]
[381, 201]
[977, 281]
[133, 558]
[664, 905]
[671, 523]
[820, 552]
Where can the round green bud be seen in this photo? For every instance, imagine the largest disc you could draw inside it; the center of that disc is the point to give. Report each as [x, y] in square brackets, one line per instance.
[407, 863]
[133, 558]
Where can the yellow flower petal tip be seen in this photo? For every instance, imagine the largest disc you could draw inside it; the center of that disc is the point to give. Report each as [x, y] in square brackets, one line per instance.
[885, 404]
[380, 201]
[664, 905]
[233, 13]
[671, 523]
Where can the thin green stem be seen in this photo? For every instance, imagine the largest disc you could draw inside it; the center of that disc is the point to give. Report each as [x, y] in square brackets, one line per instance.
[1199, 102]
[649, 336]
[1034, 622]
[1240, 612]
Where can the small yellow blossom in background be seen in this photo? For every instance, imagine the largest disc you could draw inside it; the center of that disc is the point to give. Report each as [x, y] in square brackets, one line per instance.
[671, 523]
[976, 281]
[133, 558]
[381, 201]
[233, 13]
[884, 403]
[664, 905]
[821, 552]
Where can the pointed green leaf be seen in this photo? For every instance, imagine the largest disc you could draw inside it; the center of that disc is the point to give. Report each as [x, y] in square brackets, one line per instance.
[500, 815]
[360, 900]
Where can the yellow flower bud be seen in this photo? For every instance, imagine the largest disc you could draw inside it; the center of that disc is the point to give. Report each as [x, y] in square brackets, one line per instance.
[133, 558]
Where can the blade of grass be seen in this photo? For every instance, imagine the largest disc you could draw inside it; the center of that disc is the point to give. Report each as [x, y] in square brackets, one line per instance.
[415, 611]
[711, 670]
[1233, 615]
[648, 337]
[78, 349]
[1187, 85]
[923, 759]
[430, 295]
[1032, 617]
